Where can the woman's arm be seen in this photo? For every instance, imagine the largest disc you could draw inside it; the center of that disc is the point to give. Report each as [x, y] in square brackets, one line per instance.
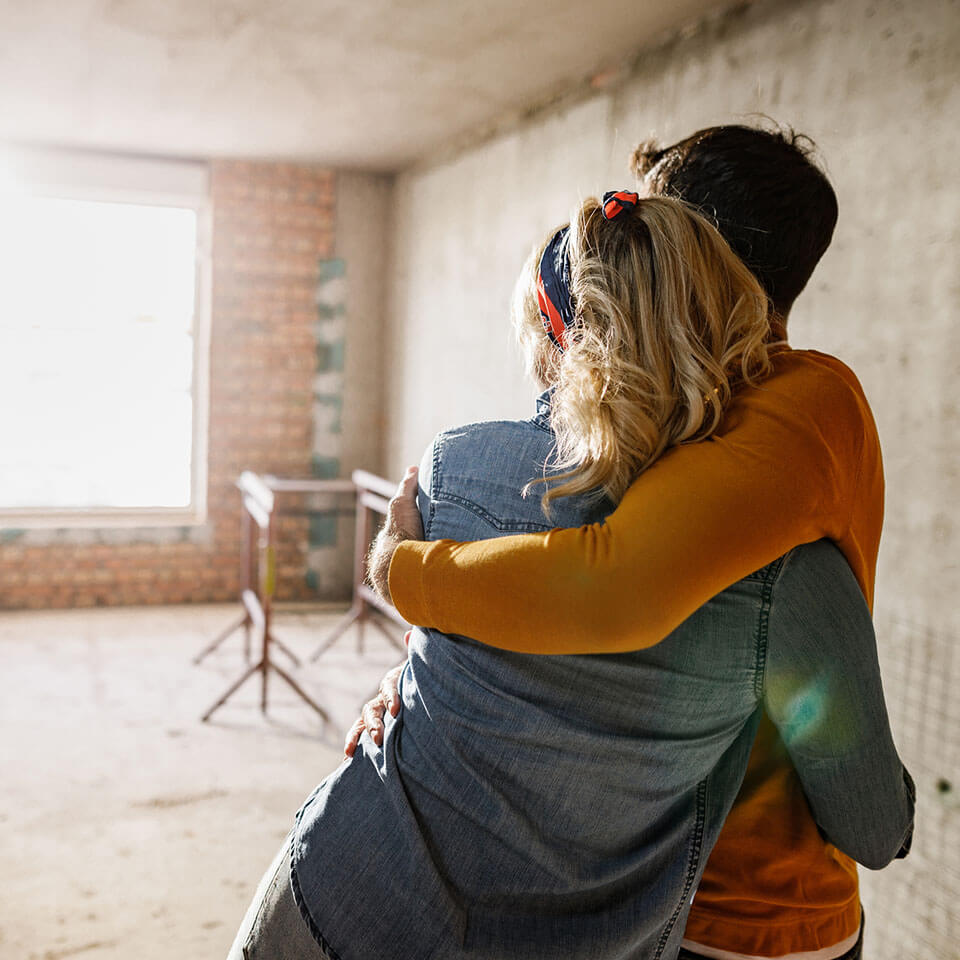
[784, 469]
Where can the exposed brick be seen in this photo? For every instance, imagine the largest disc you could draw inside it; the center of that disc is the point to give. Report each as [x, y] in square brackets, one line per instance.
[272, 225]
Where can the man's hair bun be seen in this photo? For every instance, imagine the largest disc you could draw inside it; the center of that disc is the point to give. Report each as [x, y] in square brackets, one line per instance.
[644, 158]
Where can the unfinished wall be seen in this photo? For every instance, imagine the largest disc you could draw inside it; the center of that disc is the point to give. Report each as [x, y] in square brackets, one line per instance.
[364, 211]
[282, 350]
[875, 82]
[348, 383]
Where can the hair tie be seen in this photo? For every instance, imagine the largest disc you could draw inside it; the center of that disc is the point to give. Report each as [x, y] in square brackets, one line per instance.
[616, 201]
[553, 289]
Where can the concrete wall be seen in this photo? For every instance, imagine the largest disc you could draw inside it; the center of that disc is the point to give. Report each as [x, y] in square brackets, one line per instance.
[875, 82]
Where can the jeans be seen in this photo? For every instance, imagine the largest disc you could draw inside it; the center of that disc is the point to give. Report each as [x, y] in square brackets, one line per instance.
[273, 928]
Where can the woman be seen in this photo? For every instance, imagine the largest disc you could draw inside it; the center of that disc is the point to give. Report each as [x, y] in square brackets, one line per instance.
[555, 806]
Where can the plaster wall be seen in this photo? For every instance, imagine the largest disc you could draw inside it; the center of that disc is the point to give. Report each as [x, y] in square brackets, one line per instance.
[875, 83]
[364, 214]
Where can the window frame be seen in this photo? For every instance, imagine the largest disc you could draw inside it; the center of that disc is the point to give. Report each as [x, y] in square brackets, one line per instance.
[146, 182]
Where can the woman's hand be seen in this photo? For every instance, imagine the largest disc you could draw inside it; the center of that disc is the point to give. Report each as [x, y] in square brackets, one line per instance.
[403, 523]
[371, 717]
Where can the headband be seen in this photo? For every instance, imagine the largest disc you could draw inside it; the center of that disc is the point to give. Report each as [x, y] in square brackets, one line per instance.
[553, 289]
[553, 276]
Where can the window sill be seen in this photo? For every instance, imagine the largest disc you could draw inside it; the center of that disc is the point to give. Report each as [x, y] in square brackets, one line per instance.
[99, 519]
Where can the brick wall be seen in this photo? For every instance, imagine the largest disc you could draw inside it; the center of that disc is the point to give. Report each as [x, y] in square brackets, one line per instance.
[273, 228]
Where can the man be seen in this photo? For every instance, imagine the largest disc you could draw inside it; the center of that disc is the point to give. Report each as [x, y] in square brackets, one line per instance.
[796, 464]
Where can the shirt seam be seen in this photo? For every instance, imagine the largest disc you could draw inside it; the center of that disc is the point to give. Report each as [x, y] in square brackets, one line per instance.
[486, 516]
[693, 865]
[763, 626]
[434, 473]
[298, 898]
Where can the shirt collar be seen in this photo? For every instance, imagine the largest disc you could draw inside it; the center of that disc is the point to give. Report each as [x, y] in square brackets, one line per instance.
[542, 417]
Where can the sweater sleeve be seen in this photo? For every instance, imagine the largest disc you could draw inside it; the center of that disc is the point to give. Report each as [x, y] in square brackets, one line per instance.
[824, 693]
[779, 472]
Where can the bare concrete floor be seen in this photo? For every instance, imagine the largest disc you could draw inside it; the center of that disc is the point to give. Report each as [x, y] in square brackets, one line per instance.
[128, 829]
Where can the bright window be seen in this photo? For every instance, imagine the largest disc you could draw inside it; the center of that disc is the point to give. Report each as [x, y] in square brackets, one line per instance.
[100, 353]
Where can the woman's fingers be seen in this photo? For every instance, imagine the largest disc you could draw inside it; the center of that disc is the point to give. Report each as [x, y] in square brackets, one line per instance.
[372, 716]
[390, 690]
[373, 712]
[371, 720]
[353, 738]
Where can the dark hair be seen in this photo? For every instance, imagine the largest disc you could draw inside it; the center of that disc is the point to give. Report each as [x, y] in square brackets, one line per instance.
[768, 199]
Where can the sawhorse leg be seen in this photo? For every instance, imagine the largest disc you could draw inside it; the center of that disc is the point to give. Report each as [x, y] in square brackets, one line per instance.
[243, 621]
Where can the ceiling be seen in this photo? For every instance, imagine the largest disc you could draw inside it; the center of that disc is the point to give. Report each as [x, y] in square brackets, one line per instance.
[372, 84]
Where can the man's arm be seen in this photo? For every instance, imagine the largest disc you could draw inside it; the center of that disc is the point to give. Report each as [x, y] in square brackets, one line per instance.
[823, 692]
[782, 470]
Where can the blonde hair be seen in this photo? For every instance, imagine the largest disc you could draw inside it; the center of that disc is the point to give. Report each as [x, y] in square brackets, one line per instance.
[668, 321]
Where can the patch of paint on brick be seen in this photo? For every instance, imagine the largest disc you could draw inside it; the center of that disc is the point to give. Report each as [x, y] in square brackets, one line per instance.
[325, 468]
[332, 405]
[330, 355]
[332, 268]
[332, 293]
[323, 529]
[313, 581]
[323, 356]
[330, 347]
[330, 328]
[326, 311]
[11, 534]
[325, 444]
[327, 384]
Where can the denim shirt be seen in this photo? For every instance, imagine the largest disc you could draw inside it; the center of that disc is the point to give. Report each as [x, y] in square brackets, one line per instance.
[543, 807]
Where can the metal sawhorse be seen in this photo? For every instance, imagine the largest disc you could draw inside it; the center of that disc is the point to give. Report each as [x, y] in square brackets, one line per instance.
[258, 499]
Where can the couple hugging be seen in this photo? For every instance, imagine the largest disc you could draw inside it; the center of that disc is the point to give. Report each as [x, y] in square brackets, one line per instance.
[685, 535]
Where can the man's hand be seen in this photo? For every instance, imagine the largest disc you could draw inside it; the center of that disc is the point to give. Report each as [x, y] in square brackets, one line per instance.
[403, 523]
[371, 717]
